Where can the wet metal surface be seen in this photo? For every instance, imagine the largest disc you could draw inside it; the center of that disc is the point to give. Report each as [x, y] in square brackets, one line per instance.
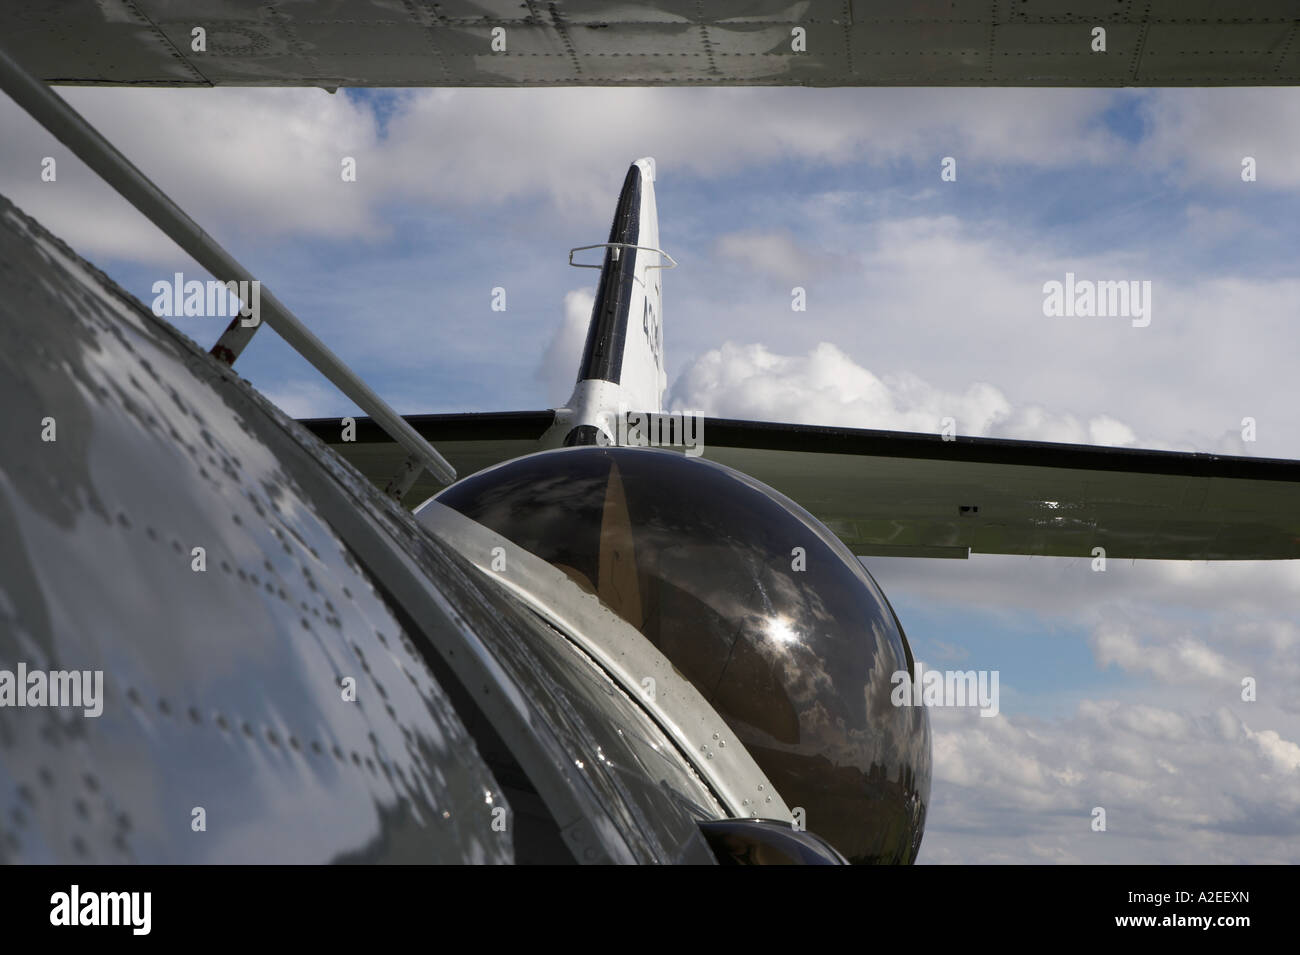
[225, 696]
[222, 688]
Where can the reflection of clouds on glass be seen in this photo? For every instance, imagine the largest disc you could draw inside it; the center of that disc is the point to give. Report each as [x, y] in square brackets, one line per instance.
[797, 662]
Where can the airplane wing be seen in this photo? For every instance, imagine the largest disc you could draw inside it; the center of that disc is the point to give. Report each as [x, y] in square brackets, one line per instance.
[583, 43]
[470, 442]
[891, 493]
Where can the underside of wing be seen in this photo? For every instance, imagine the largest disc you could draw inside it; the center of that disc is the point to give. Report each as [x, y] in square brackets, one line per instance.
[812, 43]
[893, 493]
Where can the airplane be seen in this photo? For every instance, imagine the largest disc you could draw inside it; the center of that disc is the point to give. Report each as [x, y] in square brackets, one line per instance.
[566, 649]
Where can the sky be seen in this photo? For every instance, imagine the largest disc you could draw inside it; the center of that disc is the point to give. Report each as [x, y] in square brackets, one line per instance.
[925, 300]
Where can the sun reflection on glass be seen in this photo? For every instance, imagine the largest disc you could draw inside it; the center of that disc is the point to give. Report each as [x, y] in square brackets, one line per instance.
[779, 629]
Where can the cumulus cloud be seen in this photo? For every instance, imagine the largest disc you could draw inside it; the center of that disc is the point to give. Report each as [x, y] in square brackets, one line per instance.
[1176, 788]
[559, 365]
[827, 387]
[1284, 754]
[1186, 770]
[958, 302]
[1184, 660]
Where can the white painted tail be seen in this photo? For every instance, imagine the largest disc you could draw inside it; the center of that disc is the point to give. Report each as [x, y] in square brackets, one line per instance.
[622, 367]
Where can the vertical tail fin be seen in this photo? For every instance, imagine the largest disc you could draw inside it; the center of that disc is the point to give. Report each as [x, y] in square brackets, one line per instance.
[622, 366]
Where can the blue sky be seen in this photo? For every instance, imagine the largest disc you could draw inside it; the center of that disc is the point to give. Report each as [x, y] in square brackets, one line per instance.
[924, 300]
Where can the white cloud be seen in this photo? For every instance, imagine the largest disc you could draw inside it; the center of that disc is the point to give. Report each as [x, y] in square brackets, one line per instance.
[1183, 660]
[559, 365]
[1284, 753]
[826, 387]
[954, 303]
[589, 135]
[1173, 757]
[1176, 788]
[1104, 429]
[246, 164]
[1203, 138]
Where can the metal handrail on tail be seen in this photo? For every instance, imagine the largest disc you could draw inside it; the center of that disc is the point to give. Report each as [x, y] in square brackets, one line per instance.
[672, 264]
[71, 128]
